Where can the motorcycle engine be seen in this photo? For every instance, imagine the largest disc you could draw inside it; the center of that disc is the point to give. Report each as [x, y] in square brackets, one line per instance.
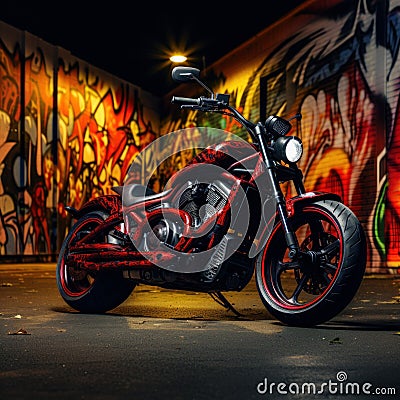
[167, 232]
[201, 201]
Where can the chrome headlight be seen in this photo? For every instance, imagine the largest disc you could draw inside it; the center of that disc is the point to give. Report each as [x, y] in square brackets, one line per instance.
[289, 149]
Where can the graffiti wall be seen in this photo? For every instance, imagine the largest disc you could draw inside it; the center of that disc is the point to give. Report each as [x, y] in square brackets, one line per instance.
[341, 72]
[336, 62]
[68, 133]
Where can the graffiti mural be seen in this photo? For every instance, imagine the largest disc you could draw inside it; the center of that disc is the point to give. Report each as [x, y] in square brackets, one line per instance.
[10, 233]
[350, 112]
[329, 71]
[77, 133]
[341, 71]
[73, 138]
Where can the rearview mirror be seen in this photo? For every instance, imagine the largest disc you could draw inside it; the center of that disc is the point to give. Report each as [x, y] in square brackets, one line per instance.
[185, 74]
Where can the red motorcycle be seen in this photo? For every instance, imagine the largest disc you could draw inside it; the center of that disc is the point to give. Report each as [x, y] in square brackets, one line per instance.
[218, 220]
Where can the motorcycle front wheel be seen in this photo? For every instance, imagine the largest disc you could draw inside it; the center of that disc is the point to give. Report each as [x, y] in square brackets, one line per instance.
[313, 289]
[85, 290]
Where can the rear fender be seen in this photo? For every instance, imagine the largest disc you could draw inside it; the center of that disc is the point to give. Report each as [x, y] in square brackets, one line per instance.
[110, 204]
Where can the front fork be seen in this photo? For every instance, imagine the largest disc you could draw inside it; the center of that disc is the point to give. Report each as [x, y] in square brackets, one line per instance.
[291, 239]
[295, 253]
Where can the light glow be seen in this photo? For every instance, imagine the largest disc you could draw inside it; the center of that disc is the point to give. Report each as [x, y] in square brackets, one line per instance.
[178, 58]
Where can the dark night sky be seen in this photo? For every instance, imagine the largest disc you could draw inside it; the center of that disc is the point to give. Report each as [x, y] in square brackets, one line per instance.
[132, 41]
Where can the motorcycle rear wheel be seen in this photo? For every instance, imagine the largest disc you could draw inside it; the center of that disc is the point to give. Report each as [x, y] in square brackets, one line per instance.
[84, 290]
[302, 293]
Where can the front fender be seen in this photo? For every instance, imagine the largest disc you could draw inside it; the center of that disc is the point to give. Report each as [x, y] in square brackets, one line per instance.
[294, 203]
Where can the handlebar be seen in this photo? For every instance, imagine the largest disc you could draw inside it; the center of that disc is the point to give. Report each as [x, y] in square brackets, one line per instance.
[220, 103]
[273, 127]
[185, 101]
[201, 103]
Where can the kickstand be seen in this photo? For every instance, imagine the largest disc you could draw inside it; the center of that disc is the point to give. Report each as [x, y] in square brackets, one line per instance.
[224, 302]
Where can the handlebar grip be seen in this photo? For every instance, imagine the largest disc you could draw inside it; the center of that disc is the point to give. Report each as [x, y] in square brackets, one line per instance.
[185, 100]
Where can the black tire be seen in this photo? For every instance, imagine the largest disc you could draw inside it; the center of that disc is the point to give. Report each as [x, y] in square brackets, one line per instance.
[305, 294]
[90, 291]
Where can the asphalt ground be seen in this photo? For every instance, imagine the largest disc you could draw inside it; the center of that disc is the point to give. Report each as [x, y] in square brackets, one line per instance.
[166, 344]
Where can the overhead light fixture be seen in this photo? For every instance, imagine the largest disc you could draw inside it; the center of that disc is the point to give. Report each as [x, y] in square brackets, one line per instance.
[178, 58]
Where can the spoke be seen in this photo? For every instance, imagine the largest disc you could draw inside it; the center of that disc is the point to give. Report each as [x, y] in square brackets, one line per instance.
[316, 226]
[326, 278]
[317, 230]
[299, 288]
[331, 249]
[329, 267]
[286, 266]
